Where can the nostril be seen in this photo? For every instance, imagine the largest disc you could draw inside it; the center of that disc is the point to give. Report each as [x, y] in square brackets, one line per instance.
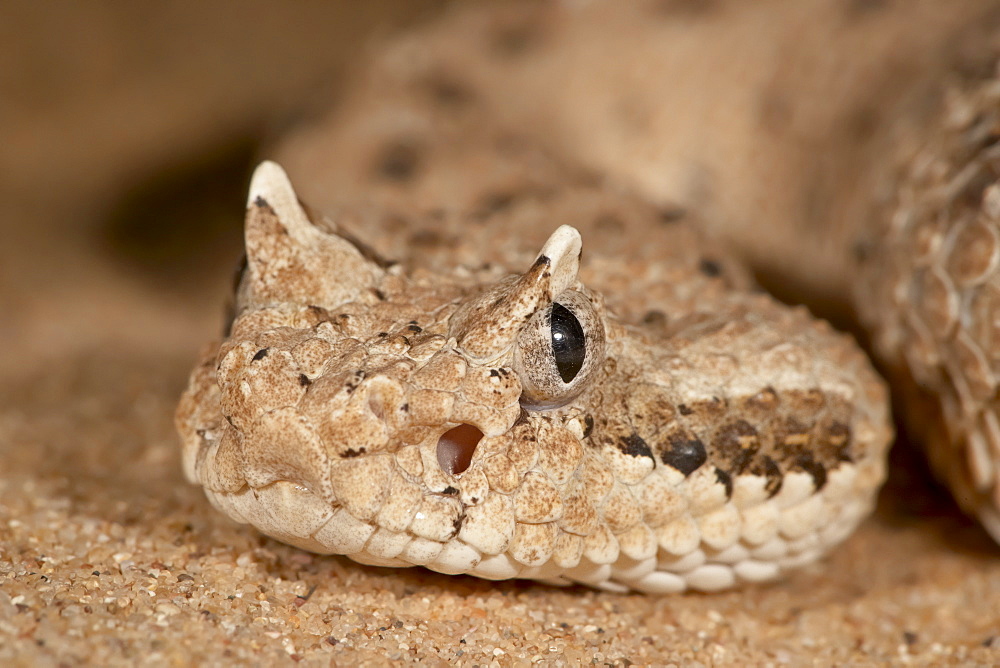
[456, 447]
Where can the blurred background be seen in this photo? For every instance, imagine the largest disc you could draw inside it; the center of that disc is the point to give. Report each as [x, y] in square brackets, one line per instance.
[127, 133]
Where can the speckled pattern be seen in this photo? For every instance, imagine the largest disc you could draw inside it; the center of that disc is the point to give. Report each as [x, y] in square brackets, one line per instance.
[735, 440]
[932, 248]
[108, 556]
[932, 291]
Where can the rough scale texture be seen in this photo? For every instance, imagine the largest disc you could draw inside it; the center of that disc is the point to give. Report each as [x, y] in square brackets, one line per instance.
[931, 291]
[877, 211]
[107, 555]
[710, 437]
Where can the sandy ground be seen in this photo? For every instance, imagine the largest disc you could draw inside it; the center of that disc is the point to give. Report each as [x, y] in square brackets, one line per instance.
[123, 159]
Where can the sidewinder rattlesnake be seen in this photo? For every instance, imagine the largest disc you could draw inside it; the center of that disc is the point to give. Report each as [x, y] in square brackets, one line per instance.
[525, 368]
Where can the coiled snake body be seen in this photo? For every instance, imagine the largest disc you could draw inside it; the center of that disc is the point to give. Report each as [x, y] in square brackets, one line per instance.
[543, 376]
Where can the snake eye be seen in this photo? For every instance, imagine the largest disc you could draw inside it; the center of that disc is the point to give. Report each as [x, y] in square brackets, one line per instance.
[569, 344]
[558, 350]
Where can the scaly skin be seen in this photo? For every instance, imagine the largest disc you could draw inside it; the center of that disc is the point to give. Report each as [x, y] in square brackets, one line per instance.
[716, 437]
[931, 292]
[810, 136]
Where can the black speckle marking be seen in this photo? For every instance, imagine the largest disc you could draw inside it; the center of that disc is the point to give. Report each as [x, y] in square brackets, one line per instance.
[304, 380]
[351, 452]
[686, 454]
[710, 268]
[414, 328]
[378, 294]
[353, 383]
[457, 524]
[726, 480]
[805, 462]
[494, 373]
[588, 425]
[737, 443]
[542, 261]
[261, 203]
[909, 637]
[775, 479]
[839, 437]
[319, 314]
[405, 408]
[261, 354]
[449, 491]
[684, 409]
[635, 446]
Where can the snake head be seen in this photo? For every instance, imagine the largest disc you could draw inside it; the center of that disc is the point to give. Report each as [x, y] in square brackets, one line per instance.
[508, 425]
[350, 398]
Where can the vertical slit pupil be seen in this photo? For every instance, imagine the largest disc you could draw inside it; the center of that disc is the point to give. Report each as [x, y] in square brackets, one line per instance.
[569, 345]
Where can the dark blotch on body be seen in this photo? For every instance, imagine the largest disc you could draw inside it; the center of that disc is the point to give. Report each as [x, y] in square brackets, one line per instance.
[399, 161]
[710, 268]
[839, 438]
[635, 446]
[351, 452]
[450, 92]
[737, 443]
[805, 462]
[655, 318]
[672, 215]
[775, 478]
[726, 480]
[686, 454]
